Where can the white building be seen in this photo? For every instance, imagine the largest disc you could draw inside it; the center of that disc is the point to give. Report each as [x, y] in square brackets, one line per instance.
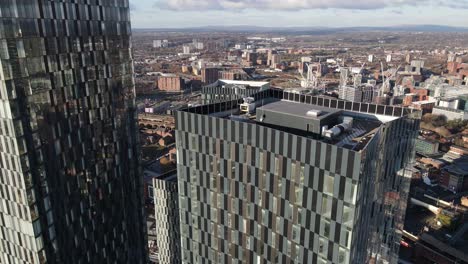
[240, 46]
[186, 49]
[389, 58]
[450, 114]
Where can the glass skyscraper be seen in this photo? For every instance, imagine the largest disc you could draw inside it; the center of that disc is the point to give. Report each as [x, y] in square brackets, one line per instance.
[301, 179]
[70, 183]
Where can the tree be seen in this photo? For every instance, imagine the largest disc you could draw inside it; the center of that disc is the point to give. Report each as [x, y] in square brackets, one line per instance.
[444, 132]
[456, 125]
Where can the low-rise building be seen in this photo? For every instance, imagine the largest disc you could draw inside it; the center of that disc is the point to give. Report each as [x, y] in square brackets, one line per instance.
[426, 146]
[455, 177]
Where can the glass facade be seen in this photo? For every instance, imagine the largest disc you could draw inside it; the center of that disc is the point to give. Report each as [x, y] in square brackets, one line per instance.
[71, 187]
[250, 193]
[166, 215]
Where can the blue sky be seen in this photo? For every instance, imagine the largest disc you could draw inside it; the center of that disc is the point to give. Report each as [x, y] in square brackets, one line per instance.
[329, 13]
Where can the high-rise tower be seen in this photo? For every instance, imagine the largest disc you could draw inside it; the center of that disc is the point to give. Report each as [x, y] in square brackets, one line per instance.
[71, 191]
[296, 179]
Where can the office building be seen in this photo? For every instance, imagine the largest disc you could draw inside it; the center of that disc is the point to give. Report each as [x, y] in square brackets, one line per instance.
[361, 94]
[291, 178]
[69, 155]
[166, 215]
[227, 90]
[209, 75]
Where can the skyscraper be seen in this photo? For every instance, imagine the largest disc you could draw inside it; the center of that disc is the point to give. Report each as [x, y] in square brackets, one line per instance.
[301, 179]
[166, 211]
[71, 188]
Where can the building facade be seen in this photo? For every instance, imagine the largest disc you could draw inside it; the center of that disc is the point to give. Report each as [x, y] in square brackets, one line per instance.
[69, 155]
[171, 83]
[361, 93]
[166, 212]
[425, 146]
[209, 75]
[227, 90]
[253, 190]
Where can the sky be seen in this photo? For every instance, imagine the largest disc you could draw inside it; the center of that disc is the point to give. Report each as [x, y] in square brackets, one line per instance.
[289, 13]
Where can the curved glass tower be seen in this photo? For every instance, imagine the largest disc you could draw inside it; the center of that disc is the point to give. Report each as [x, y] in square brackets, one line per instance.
[70, 187]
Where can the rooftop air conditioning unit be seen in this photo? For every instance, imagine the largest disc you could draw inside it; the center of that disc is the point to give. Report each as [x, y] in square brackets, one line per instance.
[248, 107]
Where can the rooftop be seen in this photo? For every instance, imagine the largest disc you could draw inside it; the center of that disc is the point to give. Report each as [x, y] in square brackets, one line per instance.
[300, 110]
[345, 124]
[249, 83]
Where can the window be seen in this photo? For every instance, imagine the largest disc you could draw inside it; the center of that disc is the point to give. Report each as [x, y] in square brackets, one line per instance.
[325, 228]
[328, 184]
[343, 255]
[326, 206]
[348, 216]
[350, 191]
[299, 194]
[323, 247]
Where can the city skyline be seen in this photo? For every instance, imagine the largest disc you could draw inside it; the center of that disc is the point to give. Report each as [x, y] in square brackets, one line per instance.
[188, 13]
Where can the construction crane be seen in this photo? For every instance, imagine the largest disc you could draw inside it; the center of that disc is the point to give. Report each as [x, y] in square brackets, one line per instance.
[386, 80]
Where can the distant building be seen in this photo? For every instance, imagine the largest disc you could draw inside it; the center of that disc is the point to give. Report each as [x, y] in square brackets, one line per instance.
[171, 83]
[303, 65]
[233, 74]
[251, 58]
[408, 58]
[227, 90]
[450, 114]
[270, 56]
[425, 107]
[160, 43]
[454, 177]
[425, 146]
[370, 58]
[186, 69]
[166, 213]
[199, 45]
[417, 65]
[389, 58]
[344, 73]
[157, 43]
[240, 46]
[275, 60]
[209, 75]
[362, 93]
[187, 49]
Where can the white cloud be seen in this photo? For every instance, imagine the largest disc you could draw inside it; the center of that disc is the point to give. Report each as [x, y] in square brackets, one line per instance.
[182, 5]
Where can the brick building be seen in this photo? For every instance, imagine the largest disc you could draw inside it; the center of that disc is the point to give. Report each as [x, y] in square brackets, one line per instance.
[171, 83]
